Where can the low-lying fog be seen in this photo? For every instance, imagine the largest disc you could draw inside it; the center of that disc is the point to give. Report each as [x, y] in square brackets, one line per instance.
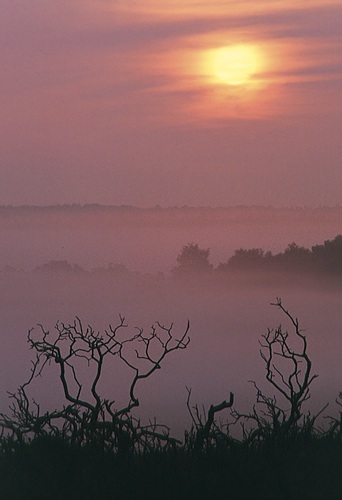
[226, 322]
[149, 240]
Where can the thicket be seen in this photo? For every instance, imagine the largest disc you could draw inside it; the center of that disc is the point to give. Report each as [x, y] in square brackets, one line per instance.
[92, 449]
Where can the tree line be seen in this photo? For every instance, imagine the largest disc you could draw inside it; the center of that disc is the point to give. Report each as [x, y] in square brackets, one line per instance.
[321, 259]
[325, 258]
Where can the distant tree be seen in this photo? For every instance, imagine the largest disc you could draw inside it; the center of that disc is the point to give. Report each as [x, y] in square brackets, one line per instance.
[59, 266]
[293, 257]
[192, 259]
[116, 270]
[328, 257]
[246, 259]
[295, 250]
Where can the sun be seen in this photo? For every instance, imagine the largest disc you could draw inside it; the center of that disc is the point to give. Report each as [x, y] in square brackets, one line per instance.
[235, 64]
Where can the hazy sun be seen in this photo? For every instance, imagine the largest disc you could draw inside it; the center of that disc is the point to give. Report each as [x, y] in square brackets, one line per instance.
[235, 64]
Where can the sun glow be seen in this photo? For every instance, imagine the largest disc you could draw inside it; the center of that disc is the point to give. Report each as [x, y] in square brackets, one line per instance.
[235, 64]
[215, 80]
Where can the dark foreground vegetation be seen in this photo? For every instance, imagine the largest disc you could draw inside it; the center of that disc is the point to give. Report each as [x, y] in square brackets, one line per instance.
[92, 449]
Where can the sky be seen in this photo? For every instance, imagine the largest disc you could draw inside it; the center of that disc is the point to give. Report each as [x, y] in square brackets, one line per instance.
[185, 102]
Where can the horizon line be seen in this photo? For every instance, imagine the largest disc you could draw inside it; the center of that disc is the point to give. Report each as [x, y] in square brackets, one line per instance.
[169, 207]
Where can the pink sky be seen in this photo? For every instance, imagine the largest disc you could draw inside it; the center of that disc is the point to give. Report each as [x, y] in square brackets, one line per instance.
[116, 102]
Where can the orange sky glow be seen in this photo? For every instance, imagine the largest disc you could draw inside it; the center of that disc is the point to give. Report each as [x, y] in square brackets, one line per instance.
[114, 102]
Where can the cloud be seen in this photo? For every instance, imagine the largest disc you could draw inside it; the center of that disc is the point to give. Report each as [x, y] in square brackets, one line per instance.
[307, 37]
[87, 24]
[81, 68]
[321, 21]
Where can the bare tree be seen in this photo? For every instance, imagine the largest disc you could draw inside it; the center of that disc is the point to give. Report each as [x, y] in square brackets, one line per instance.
[289, 370]
[91, 418]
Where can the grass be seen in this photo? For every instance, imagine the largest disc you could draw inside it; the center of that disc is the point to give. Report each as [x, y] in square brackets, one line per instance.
[50, 469]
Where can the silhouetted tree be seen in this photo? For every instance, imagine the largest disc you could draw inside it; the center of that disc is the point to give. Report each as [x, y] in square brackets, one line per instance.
[88, 417]
[242, 259]
[328, 257]
[289, 371]
[192, 259]
[294, 258]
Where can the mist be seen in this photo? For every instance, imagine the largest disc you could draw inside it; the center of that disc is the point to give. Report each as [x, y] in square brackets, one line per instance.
[227, 316]
[148, 240]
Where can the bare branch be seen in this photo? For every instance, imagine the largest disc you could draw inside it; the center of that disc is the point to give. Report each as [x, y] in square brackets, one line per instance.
[92, 417]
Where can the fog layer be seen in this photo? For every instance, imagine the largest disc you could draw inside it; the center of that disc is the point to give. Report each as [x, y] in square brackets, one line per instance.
[226, 317]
